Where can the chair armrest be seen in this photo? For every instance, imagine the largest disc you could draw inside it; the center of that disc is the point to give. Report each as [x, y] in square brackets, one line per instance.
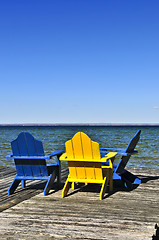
[119, 151]
[113, 149]
[134, 152]
[9, 156]
[63, 157]
[110, 165]
[127, 153]
[104, 159]
[55, 153]
[109, 155]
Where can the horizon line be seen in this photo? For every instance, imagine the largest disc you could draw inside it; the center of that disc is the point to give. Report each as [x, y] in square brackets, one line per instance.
[74, 124]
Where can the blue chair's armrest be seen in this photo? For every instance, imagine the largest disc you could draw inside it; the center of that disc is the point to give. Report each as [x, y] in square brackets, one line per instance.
[26, 157]
[134, 152]
[128, 154]
[55, 153]
[106, 150]
[113, 149]
[119, 151]
[9, 156]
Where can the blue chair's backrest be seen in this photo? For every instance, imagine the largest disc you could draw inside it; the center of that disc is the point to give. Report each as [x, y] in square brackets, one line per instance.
[130, 149]
[26, 145]
[133, 142]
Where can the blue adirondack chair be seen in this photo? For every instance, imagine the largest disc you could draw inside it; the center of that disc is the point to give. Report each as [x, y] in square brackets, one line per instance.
[119, 171]
[30, 162]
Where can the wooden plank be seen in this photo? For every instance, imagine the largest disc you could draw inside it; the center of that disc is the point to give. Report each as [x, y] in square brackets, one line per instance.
[90, 170]
[125, 215]
[98, 171]
[69, 149]
[87, 146]
[96, 151]
[77, 146]
[72, 168]
[7, 175]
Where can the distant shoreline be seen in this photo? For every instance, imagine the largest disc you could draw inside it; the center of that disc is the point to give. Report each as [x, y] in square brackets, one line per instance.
[81, 125]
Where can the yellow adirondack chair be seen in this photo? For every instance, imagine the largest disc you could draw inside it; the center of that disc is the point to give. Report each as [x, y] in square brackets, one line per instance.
[84, 162]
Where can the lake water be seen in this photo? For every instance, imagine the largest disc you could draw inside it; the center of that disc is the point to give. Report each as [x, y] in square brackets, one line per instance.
[54, 138]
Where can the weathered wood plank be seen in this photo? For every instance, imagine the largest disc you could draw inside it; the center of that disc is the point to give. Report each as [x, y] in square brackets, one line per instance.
[33, 188]
[81, 215]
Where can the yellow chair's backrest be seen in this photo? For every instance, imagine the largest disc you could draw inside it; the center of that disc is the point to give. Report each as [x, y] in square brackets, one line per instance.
[80, 147]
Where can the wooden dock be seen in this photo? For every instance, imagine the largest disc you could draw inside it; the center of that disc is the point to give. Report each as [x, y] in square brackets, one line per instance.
[28, 214]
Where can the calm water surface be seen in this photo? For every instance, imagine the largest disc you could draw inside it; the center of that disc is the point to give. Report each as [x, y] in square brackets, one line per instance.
[54, 138]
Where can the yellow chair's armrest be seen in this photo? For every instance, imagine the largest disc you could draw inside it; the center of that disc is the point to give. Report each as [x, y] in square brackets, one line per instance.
[63, 157]
[109, 166]
[109, 155]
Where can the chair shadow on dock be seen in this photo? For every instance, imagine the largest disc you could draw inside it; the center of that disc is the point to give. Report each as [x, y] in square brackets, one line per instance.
[81, 187]
[145, 179]
[95, 188]
[34, 188]
[118, 186]
[40, 186]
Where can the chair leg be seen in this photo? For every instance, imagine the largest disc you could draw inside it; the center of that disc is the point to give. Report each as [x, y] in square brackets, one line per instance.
[73, 185]
[13, 186]
[111, 180]
[49, 183]
[23, 183]
[66, 188]
[59, 174]
[103, 188]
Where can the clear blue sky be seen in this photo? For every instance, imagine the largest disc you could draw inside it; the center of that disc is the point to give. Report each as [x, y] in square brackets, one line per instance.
[79, 61]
